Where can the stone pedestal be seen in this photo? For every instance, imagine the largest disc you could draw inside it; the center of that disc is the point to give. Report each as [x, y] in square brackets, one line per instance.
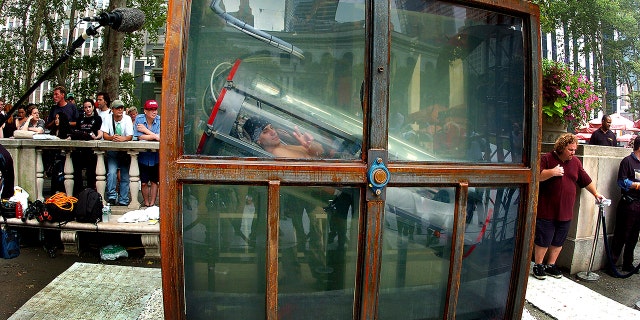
[552, 128]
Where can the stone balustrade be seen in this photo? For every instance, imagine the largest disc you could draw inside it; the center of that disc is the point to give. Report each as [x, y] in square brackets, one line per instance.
[29, 168]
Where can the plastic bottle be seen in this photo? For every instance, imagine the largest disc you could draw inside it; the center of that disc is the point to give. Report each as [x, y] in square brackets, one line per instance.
[106, 212]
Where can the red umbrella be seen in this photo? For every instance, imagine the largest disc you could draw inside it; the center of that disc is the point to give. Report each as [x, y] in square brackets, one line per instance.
[583, 136]
[626, 137]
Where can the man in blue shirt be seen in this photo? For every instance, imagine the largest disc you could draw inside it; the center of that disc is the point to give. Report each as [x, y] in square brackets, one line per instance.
[147, 127]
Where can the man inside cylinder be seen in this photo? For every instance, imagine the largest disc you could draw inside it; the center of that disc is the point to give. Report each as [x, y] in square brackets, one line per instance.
[265, 135]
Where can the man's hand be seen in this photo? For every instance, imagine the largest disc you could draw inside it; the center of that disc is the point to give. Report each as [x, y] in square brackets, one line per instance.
[558, 171]
[305, 139]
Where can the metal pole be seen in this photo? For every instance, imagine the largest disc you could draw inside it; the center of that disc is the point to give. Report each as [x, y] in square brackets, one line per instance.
[588, 275]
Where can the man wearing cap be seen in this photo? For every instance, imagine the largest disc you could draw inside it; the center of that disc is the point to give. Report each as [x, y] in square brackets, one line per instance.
[117, 128]
[262, 132]
[147, 127]
[61, 105]
[71, 98]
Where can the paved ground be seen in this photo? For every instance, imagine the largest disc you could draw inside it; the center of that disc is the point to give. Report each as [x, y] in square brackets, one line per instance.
[24, 276]
[623, 291]
[21, 278]
[116, 292]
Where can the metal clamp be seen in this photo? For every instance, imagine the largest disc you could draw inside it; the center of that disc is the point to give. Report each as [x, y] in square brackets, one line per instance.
[378, 176]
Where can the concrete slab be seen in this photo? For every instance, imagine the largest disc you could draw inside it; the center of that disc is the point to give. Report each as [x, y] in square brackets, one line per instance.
[565, 299]
[97, 291]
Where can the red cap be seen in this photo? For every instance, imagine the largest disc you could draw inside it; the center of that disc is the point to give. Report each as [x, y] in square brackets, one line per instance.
[151, 105]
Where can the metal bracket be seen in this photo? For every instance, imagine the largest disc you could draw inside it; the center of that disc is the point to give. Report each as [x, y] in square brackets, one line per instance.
[378, 175]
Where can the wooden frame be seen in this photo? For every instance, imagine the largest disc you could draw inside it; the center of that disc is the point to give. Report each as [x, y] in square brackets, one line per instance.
[178, 169]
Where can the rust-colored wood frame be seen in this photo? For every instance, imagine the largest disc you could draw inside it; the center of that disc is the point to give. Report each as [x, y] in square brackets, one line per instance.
[177, 169]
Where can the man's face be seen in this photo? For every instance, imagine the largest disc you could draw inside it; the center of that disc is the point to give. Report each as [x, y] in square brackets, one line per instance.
[151, 113]
[568, 152]
[100, 101]
[21, 113]
[269, 137]
[118, 112]
[606, 124]
[58, 96]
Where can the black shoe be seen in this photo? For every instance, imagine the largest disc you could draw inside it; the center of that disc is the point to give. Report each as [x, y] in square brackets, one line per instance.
[111, 202]
[539, 271]
[551, 270]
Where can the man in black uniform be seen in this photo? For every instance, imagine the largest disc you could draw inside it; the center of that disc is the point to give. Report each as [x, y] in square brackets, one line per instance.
[628, 213]
[603, 136]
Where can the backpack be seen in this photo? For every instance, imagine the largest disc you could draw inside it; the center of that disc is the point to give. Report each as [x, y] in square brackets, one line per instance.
[10, 243]
[58, 208]
[89, 206]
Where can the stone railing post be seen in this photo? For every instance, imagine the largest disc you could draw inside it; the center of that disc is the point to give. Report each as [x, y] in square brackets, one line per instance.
[68, 172]
[134, 179]
[101, 174]
[39, 175]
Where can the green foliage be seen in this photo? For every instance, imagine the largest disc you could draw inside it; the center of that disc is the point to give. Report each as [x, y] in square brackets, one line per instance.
[23, 58]
[607, 29]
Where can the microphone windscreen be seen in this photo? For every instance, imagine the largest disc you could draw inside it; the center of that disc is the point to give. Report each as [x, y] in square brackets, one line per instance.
[132, 19]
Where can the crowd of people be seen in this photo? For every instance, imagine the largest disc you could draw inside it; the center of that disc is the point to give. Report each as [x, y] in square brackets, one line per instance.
[99, 119]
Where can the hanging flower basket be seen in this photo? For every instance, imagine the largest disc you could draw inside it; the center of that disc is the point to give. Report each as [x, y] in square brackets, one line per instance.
[567, 97]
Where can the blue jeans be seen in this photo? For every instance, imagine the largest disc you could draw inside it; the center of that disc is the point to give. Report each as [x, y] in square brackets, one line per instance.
[113, 164]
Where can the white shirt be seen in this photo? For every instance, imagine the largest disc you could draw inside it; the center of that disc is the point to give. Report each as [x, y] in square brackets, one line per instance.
[104, 114]
[125, 122]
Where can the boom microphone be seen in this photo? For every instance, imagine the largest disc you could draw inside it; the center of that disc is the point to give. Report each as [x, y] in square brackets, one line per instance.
[120, 19]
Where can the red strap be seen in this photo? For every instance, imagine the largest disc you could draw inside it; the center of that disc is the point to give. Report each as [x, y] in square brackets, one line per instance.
[216, 107]
[481, 234]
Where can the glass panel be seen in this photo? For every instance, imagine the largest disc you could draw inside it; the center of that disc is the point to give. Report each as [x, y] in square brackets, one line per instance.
[418, 224]
[457, 84]
[492, 217]
[275, 78]
[318, 238]
[224, 231]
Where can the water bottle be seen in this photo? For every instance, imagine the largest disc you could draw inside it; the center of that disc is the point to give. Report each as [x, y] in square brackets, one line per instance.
[106, 212]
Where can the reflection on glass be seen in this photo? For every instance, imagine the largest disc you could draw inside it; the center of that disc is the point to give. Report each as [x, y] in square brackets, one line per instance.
[418, 224]
[457, 83]
[318, 234]
[225, 237]
[491, 225]
[297, 65]
[417, 242]
[224, 251]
